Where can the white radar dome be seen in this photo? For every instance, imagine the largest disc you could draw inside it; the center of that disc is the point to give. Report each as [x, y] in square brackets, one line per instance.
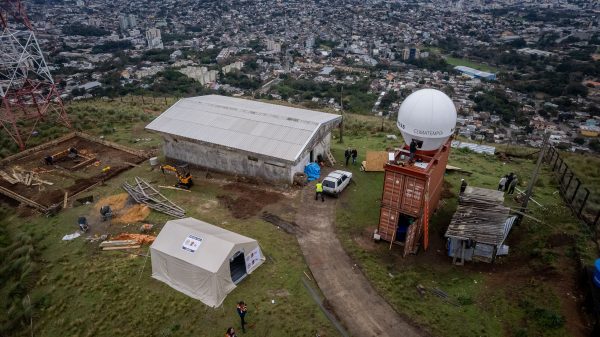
[427, 115]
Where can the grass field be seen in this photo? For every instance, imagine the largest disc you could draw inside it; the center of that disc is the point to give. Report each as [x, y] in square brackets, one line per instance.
[77, 290]
[520, 295]
[476, 65]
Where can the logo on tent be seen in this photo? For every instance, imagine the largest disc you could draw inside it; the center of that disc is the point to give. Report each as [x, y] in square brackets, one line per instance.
[191, 243]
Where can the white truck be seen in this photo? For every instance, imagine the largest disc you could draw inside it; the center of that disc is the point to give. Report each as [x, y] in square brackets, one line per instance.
[336, 181]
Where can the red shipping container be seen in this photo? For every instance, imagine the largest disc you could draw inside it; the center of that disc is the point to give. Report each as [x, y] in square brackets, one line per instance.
[411, 193]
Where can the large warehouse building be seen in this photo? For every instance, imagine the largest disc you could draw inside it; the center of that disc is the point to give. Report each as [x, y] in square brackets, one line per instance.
[474, 73]
[232, 135]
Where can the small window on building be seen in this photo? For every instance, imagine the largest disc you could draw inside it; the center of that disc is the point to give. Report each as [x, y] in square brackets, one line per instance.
[252, 158]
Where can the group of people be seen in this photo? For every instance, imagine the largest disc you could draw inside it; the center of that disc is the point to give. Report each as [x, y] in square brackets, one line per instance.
[350, 153]
[508, 183]
[241, 309]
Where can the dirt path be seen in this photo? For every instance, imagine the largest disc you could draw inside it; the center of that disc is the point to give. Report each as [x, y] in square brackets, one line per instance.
[355, 302]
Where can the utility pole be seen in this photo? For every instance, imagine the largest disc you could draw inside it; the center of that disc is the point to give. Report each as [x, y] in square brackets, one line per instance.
[534, 177]
[342, 112]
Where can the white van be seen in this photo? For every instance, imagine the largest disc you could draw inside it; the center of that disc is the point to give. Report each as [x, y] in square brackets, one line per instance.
[336, 181]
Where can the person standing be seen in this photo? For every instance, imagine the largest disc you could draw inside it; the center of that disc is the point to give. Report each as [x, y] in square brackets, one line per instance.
[463, 186]
[513, 185]
[241, 310]
[347, 155]
[354, 155]
[508, 181]
[230, 332]
[319, 191]
[413, 150]
[501, 183]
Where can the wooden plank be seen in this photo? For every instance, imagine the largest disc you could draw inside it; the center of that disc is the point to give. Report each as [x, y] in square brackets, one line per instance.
[121, 247]
[24, 200]
[40, 147]
[138, 153]
[114, 243]
[86, 162]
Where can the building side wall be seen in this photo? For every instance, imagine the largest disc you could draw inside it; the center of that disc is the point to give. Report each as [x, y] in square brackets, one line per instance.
[320, 148]
[226, 161]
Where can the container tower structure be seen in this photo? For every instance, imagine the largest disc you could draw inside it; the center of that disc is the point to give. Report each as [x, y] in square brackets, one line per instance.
[27, 89]
[412, 186]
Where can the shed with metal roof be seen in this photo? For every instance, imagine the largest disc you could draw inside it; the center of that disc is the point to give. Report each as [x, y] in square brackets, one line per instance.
[244, 137]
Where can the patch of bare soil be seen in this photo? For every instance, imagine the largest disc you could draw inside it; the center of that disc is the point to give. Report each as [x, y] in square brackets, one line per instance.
[246, 200]
[447, 191]
[287, 226]
[365, 240]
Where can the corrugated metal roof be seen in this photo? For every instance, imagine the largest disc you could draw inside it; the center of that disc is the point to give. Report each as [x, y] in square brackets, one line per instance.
[266, 129]
[481, 217]
[483, 149]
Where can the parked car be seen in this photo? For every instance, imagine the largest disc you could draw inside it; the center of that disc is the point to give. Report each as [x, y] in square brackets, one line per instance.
[336, 181]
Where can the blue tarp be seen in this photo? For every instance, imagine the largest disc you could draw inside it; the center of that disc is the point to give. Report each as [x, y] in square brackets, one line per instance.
[313, 171]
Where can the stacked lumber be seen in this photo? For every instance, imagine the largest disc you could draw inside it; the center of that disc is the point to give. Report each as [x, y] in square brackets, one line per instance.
[27, 178]
[144, 193]
[119, 244]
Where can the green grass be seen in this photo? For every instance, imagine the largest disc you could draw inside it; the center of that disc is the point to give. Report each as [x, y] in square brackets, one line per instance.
[81, 291]
[468, 63]
[586, 168]
[493, 305]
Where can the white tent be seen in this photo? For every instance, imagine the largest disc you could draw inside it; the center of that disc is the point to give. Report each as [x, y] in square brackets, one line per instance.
[201, 260]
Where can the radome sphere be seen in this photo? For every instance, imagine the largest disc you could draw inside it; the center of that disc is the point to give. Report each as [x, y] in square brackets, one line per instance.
[427, 115]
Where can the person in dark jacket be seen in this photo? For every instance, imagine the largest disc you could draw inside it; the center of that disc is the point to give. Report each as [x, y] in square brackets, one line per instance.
[463, 186]
[508, 181]
[241, 310]
[413, 150]
[347, 155]
[354, 155]
[230, 332]
[513, 185]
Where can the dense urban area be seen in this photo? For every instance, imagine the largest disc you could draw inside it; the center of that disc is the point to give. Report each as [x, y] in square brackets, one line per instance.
[300, 168]
[531, 66]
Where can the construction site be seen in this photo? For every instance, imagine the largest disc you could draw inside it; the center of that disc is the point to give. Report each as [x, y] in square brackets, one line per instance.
[166, 224]
[48, 176]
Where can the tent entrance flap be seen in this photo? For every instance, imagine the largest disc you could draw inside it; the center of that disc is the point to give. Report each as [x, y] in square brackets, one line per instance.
[237, 265]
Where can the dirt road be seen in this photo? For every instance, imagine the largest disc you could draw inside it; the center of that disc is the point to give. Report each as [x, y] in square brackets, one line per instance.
[363, 312]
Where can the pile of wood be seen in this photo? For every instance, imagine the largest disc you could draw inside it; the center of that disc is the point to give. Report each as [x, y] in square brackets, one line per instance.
[144, 193]
[139, 238]
[27, 178]
[119, 244]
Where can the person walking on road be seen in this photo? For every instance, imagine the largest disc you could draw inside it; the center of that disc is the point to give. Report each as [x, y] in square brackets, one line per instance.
[319, 191]
[501, 183]
[354, 155]
[513, 185]
[508, 181]
[241, 310]
[347, 155]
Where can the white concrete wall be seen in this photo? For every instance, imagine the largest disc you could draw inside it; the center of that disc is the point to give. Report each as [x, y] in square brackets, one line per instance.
[318, 149]
[226, 161]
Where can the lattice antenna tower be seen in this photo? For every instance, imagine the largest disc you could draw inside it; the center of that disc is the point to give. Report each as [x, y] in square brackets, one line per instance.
[27, 89]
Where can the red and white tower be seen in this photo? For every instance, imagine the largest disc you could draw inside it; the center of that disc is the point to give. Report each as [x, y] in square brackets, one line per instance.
[28, 92]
